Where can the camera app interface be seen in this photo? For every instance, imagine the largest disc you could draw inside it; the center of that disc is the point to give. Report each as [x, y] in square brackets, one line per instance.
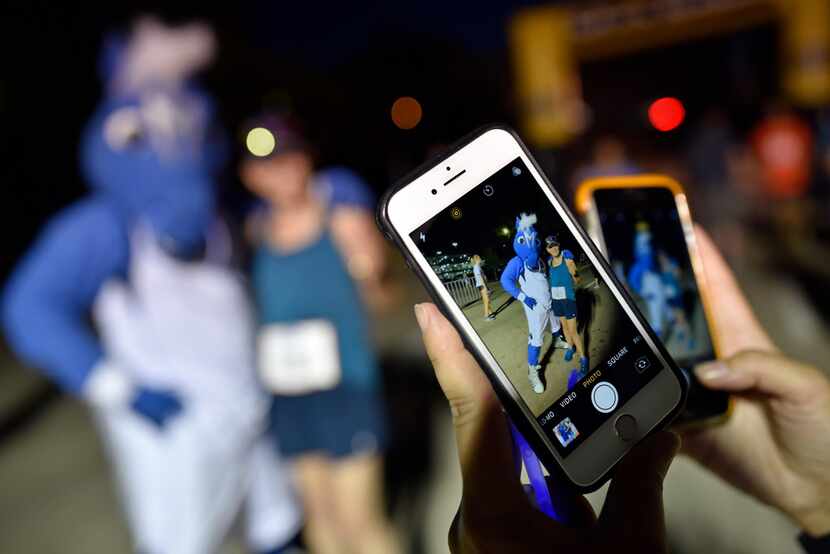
[539, 305]
[647, 249]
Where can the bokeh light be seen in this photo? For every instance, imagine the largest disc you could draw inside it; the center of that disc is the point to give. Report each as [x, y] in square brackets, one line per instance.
[666, 114]
[260, 141]
[406, 113]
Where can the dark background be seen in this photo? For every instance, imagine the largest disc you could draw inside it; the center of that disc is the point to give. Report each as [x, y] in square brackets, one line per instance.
[477, 231]
[340, 66]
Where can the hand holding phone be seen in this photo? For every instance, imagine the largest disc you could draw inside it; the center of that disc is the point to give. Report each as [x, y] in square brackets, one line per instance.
[781, 410]
[489, 199]
[494, 514]
[643, 225]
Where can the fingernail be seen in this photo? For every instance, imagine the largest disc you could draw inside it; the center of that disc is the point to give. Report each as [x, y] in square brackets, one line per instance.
[712, 371]
[422, 316]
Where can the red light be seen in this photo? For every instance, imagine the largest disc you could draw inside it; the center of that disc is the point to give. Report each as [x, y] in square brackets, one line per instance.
[666, 113]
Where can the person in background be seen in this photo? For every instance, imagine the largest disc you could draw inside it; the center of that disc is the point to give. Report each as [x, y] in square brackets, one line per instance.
[775, 446]
[563, 279]
[783, 145]
[128, 300]
[315, 351]
[609, 159]
[481, 284]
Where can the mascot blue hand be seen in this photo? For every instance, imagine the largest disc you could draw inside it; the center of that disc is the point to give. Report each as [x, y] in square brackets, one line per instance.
[157, 406]
[529, 302]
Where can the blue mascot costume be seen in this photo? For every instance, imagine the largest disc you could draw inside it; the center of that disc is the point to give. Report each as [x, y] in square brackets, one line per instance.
[166, 363]
[525, 279]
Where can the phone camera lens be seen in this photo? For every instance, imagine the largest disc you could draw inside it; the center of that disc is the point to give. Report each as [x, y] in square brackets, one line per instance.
[448, 168]
[434, 191]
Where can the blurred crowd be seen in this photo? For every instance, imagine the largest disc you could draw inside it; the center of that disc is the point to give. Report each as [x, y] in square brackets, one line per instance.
[229, 351]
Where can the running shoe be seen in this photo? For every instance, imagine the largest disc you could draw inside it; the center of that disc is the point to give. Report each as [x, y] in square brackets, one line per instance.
[569, 353]
[559, 342]
[490, 317]
[535, 380]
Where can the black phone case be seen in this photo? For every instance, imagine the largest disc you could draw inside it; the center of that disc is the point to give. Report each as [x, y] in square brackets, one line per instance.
[508, 402]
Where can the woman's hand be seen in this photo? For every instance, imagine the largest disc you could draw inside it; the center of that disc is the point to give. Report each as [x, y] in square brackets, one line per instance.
[776, 444]
[495, 515]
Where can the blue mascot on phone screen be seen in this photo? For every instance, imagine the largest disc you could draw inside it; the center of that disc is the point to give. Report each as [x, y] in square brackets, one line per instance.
[525, 278]
[128, 301]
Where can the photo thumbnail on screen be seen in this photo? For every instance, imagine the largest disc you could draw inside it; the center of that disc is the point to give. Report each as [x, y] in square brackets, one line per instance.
[540, 306]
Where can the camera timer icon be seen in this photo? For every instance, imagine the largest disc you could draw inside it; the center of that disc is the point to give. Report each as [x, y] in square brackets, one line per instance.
[642, 364]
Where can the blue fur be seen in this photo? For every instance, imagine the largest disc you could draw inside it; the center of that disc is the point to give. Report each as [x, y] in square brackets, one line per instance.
[48, 298]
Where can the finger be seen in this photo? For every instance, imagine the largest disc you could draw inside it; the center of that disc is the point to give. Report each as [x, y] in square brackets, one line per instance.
[481, 431]
[633, 510]
[735, 325]
[766, 373]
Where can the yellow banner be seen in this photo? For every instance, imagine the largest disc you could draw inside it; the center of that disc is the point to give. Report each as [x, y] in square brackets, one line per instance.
[806, 56]
[547, 83]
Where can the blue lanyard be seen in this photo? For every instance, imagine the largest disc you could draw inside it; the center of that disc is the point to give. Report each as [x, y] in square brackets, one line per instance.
[564, 502]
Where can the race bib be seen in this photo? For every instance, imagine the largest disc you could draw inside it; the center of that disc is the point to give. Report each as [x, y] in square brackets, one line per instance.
[558, 293]
[299, 358]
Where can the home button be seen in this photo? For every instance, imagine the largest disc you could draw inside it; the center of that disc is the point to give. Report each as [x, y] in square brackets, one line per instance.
[626, 427]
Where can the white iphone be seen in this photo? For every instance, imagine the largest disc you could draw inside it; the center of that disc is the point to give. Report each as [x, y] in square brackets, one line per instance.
[573, 361]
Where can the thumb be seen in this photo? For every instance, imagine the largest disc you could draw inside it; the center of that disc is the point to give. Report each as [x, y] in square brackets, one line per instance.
[763, 372]
[633, 510]
[481, 432]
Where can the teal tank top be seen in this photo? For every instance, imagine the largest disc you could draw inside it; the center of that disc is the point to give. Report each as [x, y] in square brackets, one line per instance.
[559, 276]
[314, 283]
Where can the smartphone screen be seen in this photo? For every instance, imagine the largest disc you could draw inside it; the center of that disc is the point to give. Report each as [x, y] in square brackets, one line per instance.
[646, 245]
[556, 329]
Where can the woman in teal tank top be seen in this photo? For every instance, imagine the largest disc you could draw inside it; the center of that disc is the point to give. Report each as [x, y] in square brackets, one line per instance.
[314, 345]
[563, 277]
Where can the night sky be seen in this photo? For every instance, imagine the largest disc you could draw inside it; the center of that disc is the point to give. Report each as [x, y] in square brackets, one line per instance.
[340, 67]
[479, 229]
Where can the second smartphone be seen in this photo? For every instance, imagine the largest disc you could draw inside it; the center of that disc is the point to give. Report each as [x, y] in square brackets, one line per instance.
[643, 225]
[573, 361]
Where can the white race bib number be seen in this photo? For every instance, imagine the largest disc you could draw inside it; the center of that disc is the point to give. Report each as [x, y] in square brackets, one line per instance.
[299, 358]
[558, 293]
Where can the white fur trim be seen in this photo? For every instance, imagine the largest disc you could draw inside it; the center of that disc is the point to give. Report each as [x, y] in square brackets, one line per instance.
[526, 221]
[108, 386]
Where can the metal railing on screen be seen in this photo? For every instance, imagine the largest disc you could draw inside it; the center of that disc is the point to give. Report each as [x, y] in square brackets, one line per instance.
[463, 290]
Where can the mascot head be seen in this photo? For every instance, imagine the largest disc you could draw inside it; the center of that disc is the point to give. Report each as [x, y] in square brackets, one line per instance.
[643, 250]
[152, 145]
[526, 244]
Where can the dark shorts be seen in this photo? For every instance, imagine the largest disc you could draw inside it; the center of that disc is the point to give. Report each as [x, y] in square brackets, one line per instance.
[336, 423]
[564, 308]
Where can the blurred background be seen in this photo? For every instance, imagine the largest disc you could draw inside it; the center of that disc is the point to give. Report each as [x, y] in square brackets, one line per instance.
[697, 89]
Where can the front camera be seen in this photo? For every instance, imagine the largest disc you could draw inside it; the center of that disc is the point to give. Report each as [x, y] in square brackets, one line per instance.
[448, 168]
[434, 191]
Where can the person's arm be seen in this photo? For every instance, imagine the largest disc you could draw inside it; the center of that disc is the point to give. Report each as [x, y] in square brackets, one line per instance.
[351, 209]
[495, 514]
[510, 282]
[47, 303]
[776, 444]
[48, 298]
[572, 270]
